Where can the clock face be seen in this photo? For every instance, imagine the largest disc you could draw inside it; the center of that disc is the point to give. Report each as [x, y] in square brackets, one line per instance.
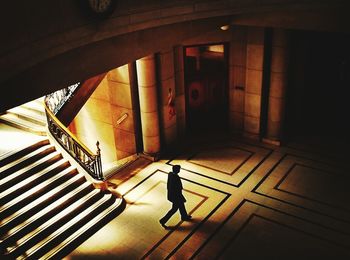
[98, 9]
[101, 6]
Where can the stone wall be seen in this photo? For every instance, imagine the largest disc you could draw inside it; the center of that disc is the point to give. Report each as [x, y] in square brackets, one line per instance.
[98, 118]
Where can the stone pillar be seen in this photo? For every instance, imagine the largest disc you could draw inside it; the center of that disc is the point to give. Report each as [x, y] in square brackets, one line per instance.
[237, 72]
[167, 86]
[147, 83]
[278, 85]
[180, 90]
[254, 77]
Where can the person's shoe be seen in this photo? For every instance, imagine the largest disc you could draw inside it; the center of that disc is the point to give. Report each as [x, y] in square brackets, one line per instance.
[188, 217]
[163, 224]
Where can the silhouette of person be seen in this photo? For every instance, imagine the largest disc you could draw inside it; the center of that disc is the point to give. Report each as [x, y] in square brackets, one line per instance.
[175, 196]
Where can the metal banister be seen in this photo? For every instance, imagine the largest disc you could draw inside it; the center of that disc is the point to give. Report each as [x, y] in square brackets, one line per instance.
[88, 160]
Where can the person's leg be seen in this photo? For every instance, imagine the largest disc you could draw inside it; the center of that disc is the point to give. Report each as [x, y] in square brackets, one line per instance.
[183, 212]
[168, 215]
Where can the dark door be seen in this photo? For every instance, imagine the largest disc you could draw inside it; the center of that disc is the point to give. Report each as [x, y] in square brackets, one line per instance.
[206, 88]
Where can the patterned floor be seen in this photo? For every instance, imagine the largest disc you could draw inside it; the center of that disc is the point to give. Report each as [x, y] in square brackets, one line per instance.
[247, 199]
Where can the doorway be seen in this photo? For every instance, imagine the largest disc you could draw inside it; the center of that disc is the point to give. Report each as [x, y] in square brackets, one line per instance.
[206, 81]
[317, 106]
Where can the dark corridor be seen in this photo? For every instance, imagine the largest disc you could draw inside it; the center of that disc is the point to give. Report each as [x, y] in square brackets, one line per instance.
[319, 85]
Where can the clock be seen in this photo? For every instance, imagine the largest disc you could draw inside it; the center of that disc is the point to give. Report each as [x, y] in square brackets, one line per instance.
[100, 8]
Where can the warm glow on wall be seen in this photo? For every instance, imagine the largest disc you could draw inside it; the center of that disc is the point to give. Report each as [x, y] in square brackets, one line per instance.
[120, 73]
[145, 68]
[216, 48]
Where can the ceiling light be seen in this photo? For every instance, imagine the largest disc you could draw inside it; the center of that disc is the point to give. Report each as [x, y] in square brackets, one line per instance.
[225, 27]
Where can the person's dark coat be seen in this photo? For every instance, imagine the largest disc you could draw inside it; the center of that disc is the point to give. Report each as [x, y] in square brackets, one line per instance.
[174, 186]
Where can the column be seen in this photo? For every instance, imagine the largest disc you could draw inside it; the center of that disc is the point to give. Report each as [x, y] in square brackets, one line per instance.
[147, 84]
[278, 84]
[254, 77]
[167, 91]
[180, 90]
[237, 71]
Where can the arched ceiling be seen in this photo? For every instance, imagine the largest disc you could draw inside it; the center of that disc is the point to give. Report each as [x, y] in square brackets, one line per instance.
[51, 44]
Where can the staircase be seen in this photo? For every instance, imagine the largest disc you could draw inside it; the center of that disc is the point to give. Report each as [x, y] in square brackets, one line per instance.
[47, 208]
[29, 117]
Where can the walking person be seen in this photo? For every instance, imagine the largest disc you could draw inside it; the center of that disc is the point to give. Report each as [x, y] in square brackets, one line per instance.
[175, 196]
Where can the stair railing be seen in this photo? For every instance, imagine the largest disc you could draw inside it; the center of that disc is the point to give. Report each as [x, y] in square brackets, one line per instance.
[57, 99]
[88, 160]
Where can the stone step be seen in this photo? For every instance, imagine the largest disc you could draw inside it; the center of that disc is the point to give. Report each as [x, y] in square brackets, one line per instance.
[19, 153]
[64, 247]
[28, 171]
[22, 124]
[49, 195]
[25, 160]
[55, 224]
[45, 215]
[36, 105]
[46, 205]
[72, 228]
[29, 115]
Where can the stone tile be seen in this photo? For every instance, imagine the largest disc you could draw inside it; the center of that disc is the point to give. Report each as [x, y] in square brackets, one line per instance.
[255, 57]
[274, 130]
[120, 74]
[253, 81]
[226, 160]
[251, 124]
[149, 122]
[276, 109]
[125, 141]
[237, 76]
[146, 75]
[89, 113]
[102, 91]
[148, 99]
[238, 55]
[151, 144]
[252, 105]
[120, 94]
[278, 84]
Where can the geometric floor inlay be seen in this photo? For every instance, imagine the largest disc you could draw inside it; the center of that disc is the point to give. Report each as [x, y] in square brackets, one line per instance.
[247, 199]
[230, 164]
[226, 160]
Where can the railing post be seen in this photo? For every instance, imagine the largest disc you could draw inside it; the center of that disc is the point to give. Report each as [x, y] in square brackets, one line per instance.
[98, 161]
